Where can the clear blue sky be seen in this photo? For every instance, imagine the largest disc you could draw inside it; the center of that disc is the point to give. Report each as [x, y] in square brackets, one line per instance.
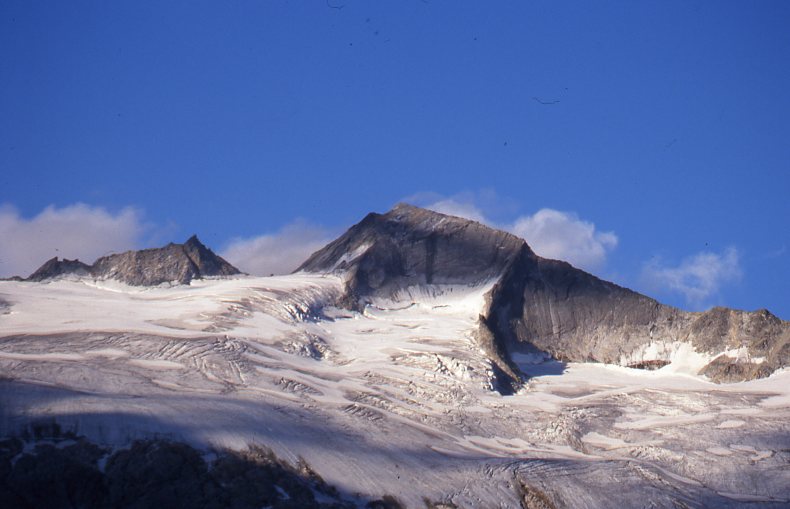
[667, 123]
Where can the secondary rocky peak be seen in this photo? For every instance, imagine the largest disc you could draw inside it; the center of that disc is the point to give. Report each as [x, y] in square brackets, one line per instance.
[179, 263]
[55, 267]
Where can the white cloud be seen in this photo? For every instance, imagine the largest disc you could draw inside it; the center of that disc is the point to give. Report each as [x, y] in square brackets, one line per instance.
[698, 278]
[277, 253]
[550, 233]
[564, 236]
[75, 231]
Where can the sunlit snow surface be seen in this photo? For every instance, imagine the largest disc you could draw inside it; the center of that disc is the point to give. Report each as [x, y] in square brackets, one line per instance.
[394, 401]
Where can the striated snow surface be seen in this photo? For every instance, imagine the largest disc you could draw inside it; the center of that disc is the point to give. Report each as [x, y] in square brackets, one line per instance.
[396, 400]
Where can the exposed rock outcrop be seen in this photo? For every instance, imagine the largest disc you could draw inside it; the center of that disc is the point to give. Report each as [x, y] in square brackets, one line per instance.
[70, 471]
[173, 263]
[540, 303]
[55, 267]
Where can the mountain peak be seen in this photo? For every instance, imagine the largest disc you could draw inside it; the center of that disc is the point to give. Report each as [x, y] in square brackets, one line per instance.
[194, 241]
[180, 263]
[533, 302]
[55, 267]
[411, 246]
[428, 218]
[404, 210]
[403, 206]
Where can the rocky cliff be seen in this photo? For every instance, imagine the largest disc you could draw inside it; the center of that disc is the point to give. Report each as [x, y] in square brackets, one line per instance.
[173, 263]
[541, 303]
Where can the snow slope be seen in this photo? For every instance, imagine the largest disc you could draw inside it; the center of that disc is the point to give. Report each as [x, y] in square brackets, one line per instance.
[396, 400]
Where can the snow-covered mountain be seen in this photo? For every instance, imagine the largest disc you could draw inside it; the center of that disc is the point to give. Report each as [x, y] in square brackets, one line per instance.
[420, 360]
[537, 303]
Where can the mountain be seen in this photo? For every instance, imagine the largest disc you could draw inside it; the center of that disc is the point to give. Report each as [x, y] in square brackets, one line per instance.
[541, 304]
[534, 305]
[180, 263]
[384, 374]
[55, 267]
[409, 246]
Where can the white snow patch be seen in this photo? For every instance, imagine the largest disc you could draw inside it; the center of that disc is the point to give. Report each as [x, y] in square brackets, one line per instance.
[610, 443]
[156, 364]
[730, 424]
[353, 255]
[741, 355]
[440, 299]
[45, 357]
[680, 356]
[661, 421]
[111, 353]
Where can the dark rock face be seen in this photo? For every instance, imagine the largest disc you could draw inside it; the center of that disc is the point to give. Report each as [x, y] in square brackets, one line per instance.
[536, 302]
[207, 262]
[180, 263]
[64, 472]
[410, 246]
[52, 476]
[571, 314]
[55, 267]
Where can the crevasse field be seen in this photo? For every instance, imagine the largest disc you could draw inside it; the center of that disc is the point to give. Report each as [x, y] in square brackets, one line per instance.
[396, 400]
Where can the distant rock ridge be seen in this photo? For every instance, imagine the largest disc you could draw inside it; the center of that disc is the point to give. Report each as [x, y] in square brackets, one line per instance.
[55, 267]
[538, 303]
[173, 263]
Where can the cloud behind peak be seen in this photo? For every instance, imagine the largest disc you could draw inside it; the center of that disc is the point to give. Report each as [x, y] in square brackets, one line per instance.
[550, 233]
[74, 231]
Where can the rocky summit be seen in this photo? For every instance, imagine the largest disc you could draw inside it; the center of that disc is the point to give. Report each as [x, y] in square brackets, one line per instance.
[56, 267]
[173, 263]
[541, 304]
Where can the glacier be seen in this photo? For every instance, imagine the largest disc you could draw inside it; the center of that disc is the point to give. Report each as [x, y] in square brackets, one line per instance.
[394, 399]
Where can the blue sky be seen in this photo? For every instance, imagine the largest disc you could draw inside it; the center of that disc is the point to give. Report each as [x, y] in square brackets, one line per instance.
[658, 131]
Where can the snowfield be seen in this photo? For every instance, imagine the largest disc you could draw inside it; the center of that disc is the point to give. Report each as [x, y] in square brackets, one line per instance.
[393, 401]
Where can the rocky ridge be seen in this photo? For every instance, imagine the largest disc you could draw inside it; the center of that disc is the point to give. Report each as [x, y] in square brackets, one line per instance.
[157, 473]
[173, 263]
[543, 304]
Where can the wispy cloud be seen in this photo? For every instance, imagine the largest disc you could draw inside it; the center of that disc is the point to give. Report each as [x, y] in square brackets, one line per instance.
[75, 231]
[550, 233]
[775, 253]
[698, 278]
[276, 253]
